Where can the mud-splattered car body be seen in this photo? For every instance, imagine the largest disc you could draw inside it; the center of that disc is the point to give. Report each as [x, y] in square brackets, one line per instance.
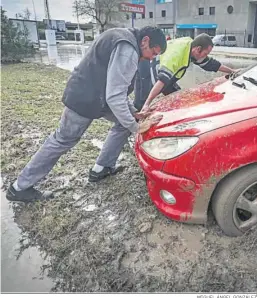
[218, 122]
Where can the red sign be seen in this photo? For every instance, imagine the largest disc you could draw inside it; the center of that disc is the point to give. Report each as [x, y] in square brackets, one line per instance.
[136, 8]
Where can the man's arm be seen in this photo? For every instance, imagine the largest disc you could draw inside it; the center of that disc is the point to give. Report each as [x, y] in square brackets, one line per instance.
[226, 69]
[165, 77]
[156, 90]
[210, 64]
[121, 70]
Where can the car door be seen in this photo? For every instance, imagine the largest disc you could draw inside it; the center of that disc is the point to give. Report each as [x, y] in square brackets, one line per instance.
[231, 40]
[224, 41]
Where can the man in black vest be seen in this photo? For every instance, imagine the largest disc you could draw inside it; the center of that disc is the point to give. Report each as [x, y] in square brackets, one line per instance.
[97, 88]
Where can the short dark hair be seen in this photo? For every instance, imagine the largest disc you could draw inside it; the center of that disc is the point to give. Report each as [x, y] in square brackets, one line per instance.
[202, 40]
[156, 35]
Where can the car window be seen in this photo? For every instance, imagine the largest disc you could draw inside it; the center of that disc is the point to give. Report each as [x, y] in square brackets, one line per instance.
[216, 38]
[245, 75]
[251, 71]
[231, 38]
[252, 68]
[224, 38]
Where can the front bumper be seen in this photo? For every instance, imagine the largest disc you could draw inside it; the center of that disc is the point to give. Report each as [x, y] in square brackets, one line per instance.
[187, 194]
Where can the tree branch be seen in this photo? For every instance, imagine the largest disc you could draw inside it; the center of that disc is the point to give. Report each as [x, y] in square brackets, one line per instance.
[100, 10]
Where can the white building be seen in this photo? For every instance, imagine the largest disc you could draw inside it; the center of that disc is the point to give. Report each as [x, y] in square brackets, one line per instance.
[192, 17]
[157, 13]
[237, 17]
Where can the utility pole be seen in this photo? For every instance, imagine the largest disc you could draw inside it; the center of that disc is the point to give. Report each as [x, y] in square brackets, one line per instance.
[77, 13]
[36, 22]
[34, 10]
[49, 32]
[174, 18]
[47, 14]
[133, 16]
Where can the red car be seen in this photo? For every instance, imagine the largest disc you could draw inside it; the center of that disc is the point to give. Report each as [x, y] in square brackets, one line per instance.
[204, 153]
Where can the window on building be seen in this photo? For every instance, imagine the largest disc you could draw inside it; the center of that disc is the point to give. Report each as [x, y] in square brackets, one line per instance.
[249, 39]
[211, 32]
[230, 9]
[150, 14]
[163, 13]
[143, 16]
[201, 11]
[212, 10]
[127, 16]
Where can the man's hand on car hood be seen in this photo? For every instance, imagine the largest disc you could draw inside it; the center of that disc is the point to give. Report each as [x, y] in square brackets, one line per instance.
[148, 123]
[142, 115]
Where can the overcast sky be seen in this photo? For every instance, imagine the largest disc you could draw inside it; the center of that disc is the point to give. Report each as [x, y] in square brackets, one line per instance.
[59, 9]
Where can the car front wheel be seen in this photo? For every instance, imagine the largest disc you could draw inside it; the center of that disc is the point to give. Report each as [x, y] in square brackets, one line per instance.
[234, 202]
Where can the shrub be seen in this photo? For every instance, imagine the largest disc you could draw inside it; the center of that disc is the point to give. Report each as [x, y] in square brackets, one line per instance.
[15, 44]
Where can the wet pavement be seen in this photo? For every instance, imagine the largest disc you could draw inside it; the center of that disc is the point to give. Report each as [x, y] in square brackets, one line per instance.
[65, 56]
[69, 56]
[23, 275]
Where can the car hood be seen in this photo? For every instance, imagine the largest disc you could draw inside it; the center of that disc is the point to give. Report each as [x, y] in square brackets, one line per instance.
[207, 107]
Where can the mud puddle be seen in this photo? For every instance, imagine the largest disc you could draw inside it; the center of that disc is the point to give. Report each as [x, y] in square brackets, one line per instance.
[19, 273]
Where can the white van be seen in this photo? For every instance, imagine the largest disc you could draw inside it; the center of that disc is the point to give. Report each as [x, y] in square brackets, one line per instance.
[224, 40]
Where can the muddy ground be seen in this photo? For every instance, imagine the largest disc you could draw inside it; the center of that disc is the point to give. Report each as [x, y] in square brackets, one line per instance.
[107, 237]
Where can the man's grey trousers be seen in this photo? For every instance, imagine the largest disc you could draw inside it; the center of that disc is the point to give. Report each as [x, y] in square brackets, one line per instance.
[67, 135]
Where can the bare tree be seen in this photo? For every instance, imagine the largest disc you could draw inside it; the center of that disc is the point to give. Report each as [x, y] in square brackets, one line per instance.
[25, 15]
[102, 11]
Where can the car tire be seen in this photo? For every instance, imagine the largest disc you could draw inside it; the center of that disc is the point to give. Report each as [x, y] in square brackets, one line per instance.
[226, 196]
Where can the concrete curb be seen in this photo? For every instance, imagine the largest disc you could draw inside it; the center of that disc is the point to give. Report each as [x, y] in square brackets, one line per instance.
[235, 55]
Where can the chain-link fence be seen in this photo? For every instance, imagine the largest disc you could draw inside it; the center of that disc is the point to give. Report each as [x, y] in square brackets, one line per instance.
[242, 38]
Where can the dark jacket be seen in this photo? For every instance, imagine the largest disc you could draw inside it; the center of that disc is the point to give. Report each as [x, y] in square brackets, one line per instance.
[143, 84]
[85, 89]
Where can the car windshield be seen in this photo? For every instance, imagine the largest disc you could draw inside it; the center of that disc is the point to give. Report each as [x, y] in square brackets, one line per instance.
[247, 78]
[217, 37]
[251, 69]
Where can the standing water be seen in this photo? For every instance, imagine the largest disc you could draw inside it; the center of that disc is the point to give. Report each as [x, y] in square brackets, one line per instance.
[22, 274]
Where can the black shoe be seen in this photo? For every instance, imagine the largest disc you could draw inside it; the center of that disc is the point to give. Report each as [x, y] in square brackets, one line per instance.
[106, 171]
[27, 195]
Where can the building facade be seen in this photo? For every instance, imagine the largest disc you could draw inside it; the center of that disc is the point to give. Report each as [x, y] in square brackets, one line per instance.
[192, 17]
[68, 30]
[236, 17]
[88, 29]
[157, 13]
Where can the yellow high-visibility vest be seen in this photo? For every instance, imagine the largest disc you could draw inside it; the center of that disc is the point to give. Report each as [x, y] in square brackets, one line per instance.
[176, 58]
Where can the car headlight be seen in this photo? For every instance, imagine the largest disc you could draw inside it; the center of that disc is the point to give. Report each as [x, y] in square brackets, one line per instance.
[169, 147]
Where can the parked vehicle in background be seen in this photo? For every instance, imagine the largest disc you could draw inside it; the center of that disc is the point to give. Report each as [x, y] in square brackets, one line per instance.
[224, 40]
[203, 153]
[60, 37]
